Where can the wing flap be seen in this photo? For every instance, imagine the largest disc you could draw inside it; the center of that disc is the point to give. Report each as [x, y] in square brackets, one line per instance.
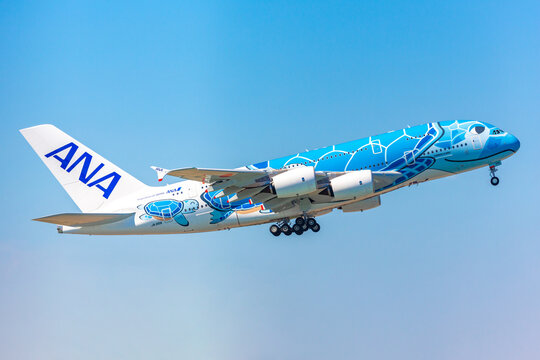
[88, 219]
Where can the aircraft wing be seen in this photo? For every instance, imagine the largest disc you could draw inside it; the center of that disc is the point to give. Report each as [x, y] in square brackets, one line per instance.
[256, 184]
[209, 175]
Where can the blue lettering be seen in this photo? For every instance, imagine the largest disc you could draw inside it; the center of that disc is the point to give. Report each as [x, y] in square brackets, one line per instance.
[86, 160]
[84, 177]
[65, 161]
[106, 191]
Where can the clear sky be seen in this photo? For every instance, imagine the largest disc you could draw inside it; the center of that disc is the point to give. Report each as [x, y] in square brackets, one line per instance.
[446, 270]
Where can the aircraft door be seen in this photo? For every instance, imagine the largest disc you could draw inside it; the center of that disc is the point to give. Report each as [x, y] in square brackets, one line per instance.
[192, 191]
[409, 157]
[476, 142]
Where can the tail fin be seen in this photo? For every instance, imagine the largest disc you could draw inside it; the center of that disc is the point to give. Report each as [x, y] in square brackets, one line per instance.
[88, 178]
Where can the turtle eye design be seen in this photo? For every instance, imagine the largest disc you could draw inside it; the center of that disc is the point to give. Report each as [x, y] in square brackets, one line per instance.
[477, 129]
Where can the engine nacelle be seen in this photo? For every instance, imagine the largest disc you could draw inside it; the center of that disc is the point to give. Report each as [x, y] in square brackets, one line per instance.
[353, 185]
[295, 182]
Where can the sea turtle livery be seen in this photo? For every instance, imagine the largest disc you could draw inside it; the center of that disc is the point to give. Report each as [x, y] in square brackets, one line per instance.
[166, 210]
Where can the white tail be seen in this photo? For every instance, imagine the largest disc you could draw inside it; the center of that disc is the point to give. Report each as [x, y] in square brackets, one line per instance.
[88, 178]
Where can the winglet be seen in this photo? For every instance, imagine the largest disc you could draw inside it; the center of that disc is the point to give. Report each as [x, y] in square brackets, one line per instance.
[160, 172]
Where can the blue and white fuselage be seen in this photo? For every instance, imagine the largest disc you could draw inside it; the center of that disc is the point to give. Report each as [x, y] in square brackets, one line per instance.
[350, 176]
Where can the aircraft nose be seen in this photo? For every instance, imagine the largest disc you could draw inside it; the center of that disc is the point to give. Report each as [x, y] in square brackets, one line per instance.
[513, 142]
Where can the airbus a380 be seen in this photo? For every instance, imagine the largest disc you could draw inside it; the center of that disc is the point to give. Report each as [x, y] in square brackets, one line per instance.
[290, 191]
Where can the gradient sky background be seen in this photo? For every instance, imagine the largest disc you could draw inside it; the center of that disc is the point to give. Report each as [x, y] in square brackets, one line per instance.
[446, 270]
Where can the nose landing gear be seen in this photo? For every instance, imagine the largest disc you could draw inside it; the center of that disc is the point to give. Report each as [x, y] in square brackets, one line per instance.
[301, 225]
[492, 170]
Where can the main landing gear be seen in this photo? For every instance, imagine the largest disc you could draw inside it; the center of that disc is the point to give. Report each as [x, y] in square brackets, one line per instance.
[492, 170]
[300, 226]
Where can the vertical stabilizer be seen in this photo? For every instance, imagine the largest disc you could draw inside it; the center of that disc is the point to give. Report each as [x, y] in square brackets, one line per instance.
[88, 178]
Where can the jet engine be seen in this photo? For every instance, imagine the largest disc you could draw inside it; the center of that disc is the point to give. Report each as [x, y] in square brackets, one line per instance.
[352, 185]
[295, 182]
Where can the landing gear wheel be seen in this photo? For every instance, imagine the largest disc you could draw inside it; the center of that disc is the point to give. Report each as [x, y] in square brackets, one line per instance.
[305, 227]
[275, 230]
[311, 222]
[492, 170]
[316, 227]
[297, 229]
[286, 229]
[300, 221]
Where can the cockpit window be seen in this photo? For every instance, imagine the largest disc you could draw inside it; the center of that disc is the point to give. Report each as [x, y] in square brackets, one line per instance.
[496, 132]
[477, 129]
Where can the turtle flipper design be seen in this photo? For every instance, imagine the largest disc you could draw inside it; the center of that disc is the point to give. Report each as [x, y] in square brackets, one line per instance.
[181, 220]
[218, 216]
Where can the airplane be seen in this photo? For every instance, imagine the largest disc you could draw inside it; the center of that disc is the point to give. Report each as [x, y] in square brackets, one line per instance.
[290, 192]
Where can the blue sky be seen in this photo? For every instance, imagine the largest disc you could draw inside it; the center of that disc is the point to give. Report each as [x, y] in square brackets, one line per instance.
[445, 270]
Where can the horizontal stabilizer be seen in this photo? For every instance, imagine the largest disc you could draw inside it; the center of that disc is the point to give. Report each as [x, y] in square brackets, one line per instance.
[78, 219]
